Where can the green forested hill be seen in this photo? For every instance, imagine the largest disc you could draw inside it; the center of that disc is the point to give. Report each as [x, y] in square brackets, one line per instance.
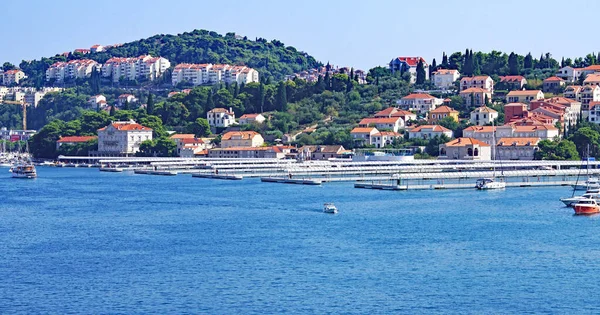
[270, 58]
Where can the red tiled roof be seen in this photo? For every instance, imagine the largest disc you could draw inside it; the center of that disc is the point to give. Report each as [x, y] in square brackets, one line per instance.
[554, 79]
[127, 126]
[367, 121]
[412, 61]
[511, 78]
[244, 135]
[76, 139]
[362, 130]
[474, 90]
[518, 141]
[417, 96]
[434, 128]
[524, 93]
[182, 136]
[461, 142]
[443, 109]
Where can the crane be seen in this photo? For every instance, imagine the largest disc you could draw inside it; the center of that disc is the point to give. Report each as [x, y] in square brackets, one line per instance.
[23, 105]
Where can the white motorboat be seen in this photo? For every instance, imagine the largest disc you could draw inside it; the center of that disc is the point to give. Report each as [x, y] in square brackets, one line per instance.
[26, 170]
[489, 183]
[569, 202]
[590, 183]
[330, 208]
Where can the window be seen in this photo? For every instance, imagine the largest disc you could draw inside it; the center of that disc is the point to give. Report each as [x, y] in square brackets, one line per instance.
[476, 153]
[470, 152]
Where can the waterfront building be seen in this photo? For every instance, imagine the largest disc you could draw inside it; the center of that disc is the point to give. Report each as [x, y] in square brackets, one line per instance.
[15, 135]
[516, 148]
[322, 152]
[250, 139]
[274, 152]
[72, 140]
[122, 138]
[465, 149]
[514, 130]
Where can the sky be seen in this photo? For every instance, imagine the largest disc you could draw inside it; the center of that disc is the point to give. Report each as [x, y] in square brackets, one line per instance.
[361, 34]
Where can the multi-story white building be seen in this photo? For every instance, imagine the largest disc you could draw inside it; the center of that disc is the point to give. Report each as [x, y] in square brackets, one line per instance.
[569, 73]
[250, 139]
[465, 149]
[482, 81]
[524, 96]
[363, 135]
[73, 69]
[429, 131]
[588, 93]
[198, 74]
[122, 138]
[14, 76]
[220, 117]
[419, 102]
[445, 78]
[486, 133]
[483, 115]
[144, 67]
[248, 119]
[384, 138]
[388, 123]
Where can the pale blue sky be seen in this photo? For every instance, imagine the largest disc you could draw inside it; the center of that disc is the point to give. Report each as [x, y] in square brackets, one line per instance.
[362, 34]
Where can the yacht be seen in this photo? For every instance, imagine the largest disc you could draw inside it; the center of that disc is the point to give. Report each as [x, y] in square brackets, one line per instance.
[569, 202]
[329, 208]
[590, 183]
[586, 206]
[26, 170]
[489, 183]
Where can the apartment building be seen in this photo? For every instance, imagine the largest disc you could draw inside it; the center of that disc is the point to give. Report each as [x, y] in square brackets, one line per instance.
[12, 77]
[73, 69]
[144, 67]
[198, 74]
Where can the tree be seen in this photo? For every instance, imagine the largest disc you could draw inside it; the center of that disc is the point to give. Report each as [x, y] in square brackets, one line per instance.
[200, 127]
[444, 61]
[583, 137]
[126, 105]
[553, 150]
[150, 105]
[528, 62]
[513, 64]
[421, 75]
[8, 66]
[581, 78]
[111, 113]
[433, 67]
[281, 100]
[449, 123]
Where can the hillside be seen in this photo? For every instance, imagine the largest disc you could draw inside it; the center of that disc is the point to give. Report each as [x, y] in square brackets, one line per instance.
[270, 58]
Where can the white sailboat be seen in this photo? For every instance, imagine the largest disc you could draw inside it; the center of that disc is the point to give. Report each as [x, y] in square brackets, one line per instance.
[491, 183]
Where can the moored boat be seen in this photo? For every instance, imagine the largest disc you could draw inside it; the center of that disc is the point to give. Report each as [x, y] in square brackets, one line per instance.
[489, 183]
[24, 171]
[573, 200]
[586, 206]
[590, 183]
[330, 208]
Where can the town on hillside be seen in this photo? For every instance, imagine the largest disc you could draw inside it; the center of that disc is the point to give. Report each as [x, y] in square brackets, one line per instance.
[145, 105]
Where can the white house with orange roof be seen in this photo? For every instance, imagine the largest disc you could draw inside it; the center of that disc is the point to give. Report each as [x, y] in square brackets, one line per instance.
[553, 84]
[481, 81]
[569, 74]
[445, 78]
[420, 103]
[588, 94]
[14, 76]
[122, 137]
[592, 79]
[388, 123]
[440, 113]
[404, 64]
[465, 149]
[475, 96]
[524, 96]
[97, 48]
[362, 135]
[516, 148]
[384, 138]
[428, 132]
[248, 119]
[220, 117]
[594, 112]
[395, 112]
[95, 100]
[483, 115]
[242, 139]
[573, 92]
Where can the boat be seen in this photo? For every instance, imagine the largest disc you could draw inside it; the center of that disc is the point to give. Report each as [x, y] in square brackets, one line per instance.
[26, 170]
[368, 155]
[586, 206]
[330, 208]
[569, 202]
[491, 183]
[590, 183]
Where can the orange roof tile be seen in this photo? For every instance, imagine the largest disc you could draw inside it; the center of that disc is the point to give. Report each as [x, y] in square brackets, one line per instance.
[417, 96]
[518, 141]
[362, 130]
[461, 142]
[524, 93]
[443, 109]
[244, 135]
[434, 128]
[367, 121]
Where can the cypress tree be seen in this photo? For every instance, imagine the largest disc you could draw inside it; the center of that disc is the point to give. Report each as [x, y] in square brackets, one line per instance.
[562, 62]
[126, 105]
[432, 68]
[281, 97]
[111, 113]
[150, 105]
[351, 73]
[528, 62]
[420, 73]
[327, 80]
[445, 61]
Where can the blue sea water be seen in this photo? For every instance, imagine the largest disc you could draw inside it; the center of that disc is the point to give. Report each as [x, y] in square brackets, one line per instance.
[82, 241]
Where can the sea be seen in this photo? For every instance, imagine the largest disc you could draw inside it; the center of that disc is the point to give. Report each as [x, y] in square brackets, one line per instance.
[82, 241]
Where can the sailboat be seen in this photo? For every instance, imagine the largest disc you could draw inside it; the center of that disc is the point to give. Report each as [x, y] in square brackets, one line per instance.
[491, 183]
[591, 182]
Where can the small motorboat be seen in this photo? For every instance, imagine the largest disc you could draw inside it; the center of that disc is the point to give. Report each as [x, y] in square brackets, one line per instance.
[590, 183]
[330, 208]
[489, 183]
[569, 202]
[586, 206]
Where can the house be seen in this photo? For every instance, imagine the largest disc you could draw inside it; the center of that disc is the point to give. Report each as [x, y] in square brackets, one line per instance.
[592, 69]
[393, 123]
[321, 152]
[483, 115]
[96, 100]
[441, 113]
[126, 98]
[122, 138]
[220, 117]
[465, 149]
[592, 79]
[524, 96]
[513, 82]
[564, 110]
[82, 51]
[419, 102]
[553, 85]
[190, 147]
[445, 78]
[573, 92]
[73, 140]
[569, 73]
[482, 81]
[588, 94]
[384, 138]
[242, 139]
[476, 96]
[428, 132]
[594, 112]
[248, 119]
[97, 48]
[409, 64]
[516, 148]
[13, 77]
[362, 135]
[395, 112]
